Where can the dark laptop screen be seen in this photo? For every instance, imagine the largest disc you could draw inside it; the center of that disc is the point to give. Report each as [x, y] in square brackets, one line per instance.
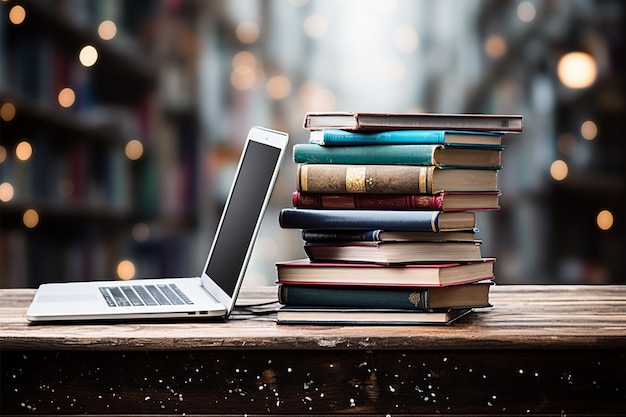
[246, 201]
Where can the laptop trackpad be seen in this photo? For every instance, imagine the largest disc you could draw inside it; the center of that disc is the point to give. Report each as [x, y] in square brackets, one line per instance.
[64, 298]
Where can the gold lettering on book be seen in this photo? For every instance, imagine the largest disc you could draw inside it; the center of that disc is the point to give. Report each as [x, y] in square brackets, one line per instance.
[355, 179]
[415, 298]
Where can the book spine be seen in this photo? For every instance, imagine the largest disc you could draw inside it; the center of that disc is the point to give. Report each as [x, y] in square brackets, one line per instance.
[374, 154]
[376, 179]
[397, 298]
[336, 137]
[359, 219]
[367, 201]
[343, 236]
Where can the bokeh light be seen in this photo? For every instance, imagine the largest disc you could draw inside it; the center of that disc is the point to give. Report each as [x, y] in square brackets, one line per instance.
[6, 192]
[125, 270]
[7, 111]
[17, 15]
[278, 87]
[247, 32]
[244, 75]
[577, 70]
[526, 11]
[30, 218]
[315, 26]
[589, 130]
[495, 46]
[604, 220]
[134, 150]
[107, 30]
[66, 97]
[23, 151]
[559, 170]
[88, 55]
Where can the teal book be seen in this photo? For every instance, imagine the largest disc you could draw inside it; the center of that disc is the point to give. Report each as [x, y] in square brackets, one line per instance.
[423, 155]
[337, 137]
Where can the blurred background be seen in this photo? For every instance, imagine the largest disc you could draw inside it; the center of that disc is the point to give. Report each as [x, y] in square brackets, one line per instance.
[122, 121]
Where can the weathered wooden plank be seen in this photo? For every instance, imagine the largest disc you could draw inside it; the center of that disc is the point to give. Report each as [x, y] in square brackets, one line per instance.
[312, 382]
[523, 316]
[541, 349]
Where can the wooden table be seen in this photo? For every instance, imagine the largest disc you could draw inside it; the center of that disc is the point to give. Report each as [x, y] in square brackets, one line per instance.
[550, 350]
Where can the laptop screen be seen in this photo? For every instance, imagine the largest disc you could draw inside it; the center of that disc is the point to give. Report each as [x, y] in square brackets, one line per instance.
[241, 215]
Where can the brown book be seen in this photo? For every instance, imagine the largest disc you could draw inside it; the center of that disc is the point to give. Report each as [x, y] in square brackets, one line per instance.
[304, 271]
[429, 121]
[391, 179]
[450, 201]
[389, 252]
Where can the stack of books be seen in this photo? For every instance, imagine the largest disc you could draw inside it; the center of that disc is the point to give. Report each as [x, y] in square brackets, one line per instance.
[387, 208]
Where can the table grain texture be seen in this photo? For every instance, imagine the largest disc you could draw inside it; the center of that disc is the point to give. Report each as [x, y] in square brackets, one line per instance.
[541, 350]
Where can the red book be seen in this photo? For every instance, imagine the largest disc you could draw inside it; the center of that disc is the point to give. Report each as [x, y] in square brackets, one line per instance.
[447, 201]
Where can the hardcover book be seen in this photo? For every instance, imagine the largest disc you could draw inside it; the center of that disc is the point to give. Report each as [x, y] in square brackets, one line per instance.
[391, 179]
[379, 235]
[429, 121]
[359, 316]
[436, 155]
[336, 137]
[304, 271]
[393, 252]
[448, 201]
[474, 295]
[433, 221]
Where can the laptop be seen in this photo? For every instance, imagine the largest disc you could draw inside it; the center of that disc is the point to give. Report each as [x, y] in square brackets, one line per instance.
[214, 292]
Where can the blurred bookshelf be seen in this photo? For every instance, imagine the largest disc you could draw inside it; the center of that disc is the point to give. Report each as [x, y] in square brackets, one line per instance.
[97, 169]
[563, 203]
[182, 82]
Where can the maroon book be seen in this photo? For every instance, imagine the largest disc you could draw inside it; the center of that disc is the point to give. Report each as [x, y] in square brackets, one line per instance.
[448, 201]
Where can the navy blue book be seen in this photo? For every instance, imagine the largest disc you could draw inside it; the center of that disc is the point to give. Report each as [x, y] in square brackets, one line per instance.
[433, 221]
[380, 235]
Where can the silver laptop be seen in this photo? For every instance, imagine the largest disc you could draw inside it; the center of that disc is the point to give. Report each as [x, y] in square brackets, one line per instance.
[213, 294]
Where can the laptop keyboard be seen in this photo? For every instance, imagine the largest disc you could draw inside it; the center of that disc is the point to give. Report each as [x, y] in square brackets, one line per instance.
[144, 295]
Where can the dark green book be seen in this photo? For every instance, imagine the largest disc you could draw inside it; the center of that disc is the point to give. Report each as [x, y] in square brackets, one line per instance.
[472, 295]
